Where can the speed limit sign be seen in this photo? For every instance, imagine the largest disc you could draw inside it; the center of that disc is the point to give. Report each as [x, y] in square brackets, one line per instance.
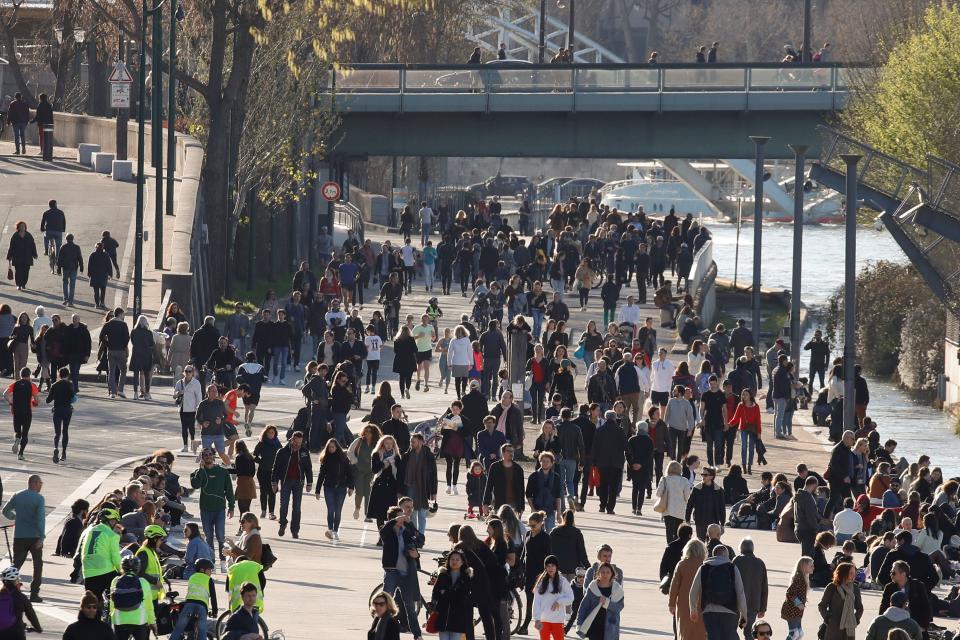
[330, 191]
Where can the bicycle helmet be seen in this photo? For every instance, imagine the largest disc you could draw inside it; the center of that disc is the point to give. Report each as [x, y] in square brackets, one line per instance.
[154, 531]
[10, 574]
[130, 564]
[109, 514]
[202, 564]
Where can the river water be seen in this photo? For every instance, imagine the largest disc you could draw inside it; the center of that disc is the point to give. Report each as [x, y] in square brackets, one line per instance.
[916, 427]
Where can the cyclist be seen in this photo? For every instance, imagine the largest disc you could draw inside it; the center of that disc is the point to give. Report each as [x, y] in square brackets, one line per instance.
[244, 623]
[201, 598]
[130, 611]
[99, 551]
[242, 572]
[11, 613]
[149, 567]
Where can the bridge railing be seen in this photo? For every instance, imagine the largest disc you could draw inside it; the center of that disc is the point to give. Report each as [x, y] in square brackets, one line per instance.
[526, 78]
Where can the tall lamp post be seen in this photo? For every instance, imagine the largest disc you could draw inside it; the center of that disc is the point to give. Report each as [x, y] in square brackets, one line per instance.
[156, 133]
[807, 55]
[141, 177]
[543, 28]
[799, 153]
[759, 143]
[850, 294]
[571, 25]
[175, 17]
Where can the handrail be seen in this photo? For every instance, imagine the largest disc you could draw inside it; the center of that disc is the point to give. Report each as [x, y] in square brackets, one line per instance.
[508, 64]
[348, 215]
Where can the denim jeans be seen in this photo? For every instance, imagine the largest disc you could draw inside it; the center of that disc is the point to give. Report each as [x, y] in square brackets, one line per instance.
[19, 137]
[419, 516]
[280, 355]
[537, 322]
[214, 523]
[779, 408]
[720, 626]
[587, 358]
[191, 609]
[409, 586]
[69, 284]
[748, 440]
[52, 239]
[340, 427]
[334, 497]
[116, 361]
[424, 234]
[788, 421]
[569, 475]
[287, 489]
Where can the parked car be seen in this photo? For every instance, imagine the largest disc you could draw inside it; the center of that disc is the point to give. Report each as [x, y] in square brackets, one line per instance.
[499, 185]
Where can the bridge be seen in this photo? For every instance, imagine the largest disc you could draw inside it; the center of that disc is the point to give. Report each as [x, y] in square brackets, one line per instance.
[581, 111]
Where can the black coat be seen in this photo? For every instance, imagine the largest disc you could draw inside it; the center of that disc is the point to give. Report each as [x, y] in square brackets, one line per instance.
[453, 602]
[918, 602]
[921, 568]
[88, 629]
[706, 504]
[386, 487]
[609, 446]
[385, 628]
[141, 356]
[567, 544]
[535, 551]
[282, 461]
[496, 490]
[671, 556]
[99, 268]
[404, 355]
[204, 343]
[640, 451]
[400, 432]
[22, 251]
[839, 466]
[475, 409]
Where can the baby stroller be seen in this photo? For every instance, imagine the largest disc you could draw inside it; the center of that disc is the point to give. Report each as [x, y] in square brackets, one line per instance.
[481, 310]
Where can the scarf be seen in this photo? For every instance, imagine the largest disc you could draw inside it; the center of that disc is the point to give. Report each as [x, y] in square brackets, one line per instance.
[848, 615]
[415, 478]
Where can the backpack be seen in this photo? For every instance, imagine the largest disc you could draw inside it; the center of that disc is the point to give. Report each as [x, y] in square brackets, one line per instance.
[719, 586]
[127, 595]
[267, 558]
[22, 394]
[8, 613]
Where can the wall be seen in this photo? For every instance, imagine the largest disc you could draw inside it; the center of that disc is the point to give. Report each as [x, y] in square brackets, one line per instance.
[951, 361]
[702, 275]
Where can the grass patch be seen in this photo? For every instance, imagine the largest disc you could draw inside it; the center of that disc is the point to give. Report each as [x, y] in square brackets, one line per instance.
[251, 298]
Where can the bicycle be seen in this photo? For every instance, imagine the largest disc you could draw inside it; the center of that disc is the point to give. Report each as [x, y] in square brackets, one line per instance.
[221, 627]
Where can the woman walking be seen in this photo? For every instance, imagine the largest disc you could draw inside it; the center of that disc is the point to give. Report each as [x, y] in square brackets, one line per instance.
[341, 400]
[178, 355]
[359, 454]
[694, 553]
[23, 341]
[452, 445]
[188, 394]
[404, 359]
[460, 357]
[61, 395]
[680, 419]
[598, 617]
[795, 601]
[552, 594]
[541, 375]
[387, 467]
[335, 476]
[584, 279]
[841, 607]
[21, 254]
[442, 346]
[746, 418]
[673, 492]
[264, 454]
[141, 357]
[452, 598]
[245, 469]
[590, 341]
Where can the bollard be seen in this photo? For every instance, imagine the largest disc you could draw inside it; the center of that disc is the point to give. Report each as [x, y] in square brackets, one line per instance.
[48, 142]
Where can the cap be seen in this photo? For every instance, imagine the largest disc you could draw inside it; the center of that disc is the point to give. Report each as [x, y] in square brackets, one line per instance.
[898, 599]
[474, 384]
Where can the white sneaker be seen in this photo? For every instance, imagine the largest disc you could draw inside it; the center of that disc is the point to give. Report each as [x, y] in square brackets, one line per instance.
[456, 491]
[336, 536]
[449, 489]
[356, 514]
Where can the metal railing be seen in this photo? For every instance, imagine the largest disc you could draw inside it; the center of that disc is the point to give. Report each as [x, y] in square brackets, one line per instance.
[594, 78]
[348, 215]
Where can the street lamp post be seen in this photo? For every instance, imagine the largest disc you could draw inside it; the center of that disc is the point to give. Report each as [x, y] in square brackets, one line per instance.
[176, 15]
[543, 28]
[850, 294]
[561, 4]
[759, 144]
[156, 134]
[799, 153]
[141, 177]
[807, 55]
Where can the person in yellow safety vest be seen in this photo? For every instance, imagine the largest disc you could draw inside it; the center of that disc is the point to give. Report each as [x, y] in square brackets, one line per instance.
[99, 551]
[245, 570]
[150, 568]
[130, 609]
[201, 601]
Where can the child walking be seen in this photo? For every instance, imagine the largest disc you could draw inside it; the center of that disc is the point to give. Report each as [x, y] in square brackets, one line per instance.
[476, 481]
[796, 598]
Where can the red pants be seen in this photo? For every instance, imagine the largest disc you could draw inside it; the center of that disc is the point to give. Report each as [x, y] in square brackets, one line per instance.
[550, 630]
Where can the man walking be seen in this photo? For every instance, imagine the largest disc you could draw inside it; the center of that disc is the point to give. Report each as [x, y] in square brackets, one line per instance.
[608, 454]
[69, 263]
[426, 223]
[216, 498]
[76, 337]
[53, 224]
[806, 516]
[753, 575]
[115, 335]
[291, 472]
[780, 385]
[545, 490]
[27, 509]
[494, 350]
[22, 398]
[819, 356]
[18, 115]
[717, 595]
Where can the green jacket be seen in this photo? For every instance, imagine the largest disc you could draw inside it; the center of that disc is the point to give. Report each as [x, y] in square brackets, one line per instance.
[216, 488]
[141, 615]
[28, 509]
[100, 550]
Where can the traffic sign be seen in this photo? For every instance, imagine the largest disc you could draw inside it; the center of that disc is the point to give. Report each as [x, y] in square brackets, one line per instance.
[119, 95]
[120, 74]
[330, 191]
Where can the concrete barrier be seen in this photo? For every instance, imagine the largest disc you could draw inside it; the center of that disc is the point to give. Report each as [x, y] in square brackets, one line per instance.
[84, 152]
[102, 162]
[122, 170]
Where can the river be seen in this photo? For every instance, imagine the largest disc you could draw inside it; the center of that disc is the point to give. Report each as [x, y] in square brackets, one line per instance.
[917, 428]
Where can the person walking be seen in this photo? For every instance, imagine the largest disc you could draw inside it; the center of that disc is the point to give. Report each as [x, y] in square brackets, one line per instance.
[552, 594]
[115, 336]
[806, 516]
[746, 418]
[27, 508]
[188, 394]
[598, 616]
[18, 115]
[673, 495]
[216, 498]
[841, 607]
[680, 418]
[141, 358]
[22, 396]
[99, 270]
[706, 504]
[69, 263]
[640, 465]
[292, 475]
[21, 254]
[43, 117]
[819, 358]
[399, 559]
[687, 626]
[404, 359]
[420, 479]
[608, 455]
[264, 455]
[718, 597]
[77, 343]
[335, 476]
[360, 454]
[452, 598]
[61, 394]
[245, 469]
[753, 575]
[795, 601]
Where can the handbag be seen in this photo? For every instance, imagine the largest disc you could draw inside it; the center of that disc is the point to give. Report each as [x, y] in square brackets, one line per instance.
[594, 477]
[665, 584]
[9, 273]
[432, 622]
[660, 506]
[579, 353]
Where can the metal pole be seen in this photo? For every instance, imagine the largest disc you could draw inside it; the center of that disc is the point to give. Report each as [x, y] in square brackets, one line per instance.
[736, 251]
[850, 293]
[807, 53]
[543, 28]
[799, 153]
[759, 144]
[123, 115]
[331, 176]
[251, 256]
[141, 96]
[571, 27]
[171, 108]
[156, 136]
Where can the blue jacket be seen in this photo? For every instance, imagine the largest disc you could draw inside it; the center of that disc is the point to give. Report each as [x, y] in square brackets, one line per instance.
[489, 443]
[196, 549]
[28, 509]
[591, 603]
